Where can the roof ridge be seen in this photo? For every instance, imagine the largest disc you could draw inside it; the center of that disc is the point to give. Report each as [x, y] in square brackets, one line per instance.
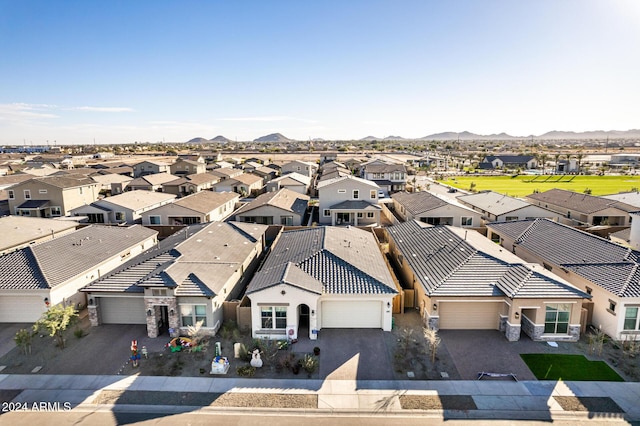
[511, 267]
[627, 282]
[455, 269]
[527, 231]
[32, 253]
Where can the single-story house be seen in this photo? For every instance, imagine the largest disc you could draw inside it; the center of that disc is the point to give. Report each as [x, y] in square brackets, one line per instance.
[190, 184]
[283, 207]
[459, 279]
[244, 184]
[52, 272]
[584, 208]
[509, 162]
[321, 277]
[496, 207]
[127, 207]
[182, 282]
[610, 273]
[151, 182]
[431, 209]
[292, 181]
[22, 231]
[201, 207]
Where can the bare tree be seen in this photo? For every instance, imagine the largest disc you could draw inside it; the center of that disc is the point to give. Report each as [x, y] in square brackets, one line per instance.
[433, 342]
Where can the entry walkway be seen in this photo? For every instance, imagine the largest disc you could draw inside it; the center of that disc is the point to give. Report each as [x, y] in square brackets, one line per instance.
[532, 400]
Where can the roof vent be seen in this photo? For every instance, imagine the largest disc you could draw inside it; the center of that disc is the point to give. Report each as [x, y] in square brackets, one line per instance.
[226, 244]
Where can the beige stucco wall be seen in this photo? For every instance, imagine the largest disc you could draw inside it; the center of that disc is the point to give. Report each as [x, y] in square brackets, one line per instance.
[66, 199]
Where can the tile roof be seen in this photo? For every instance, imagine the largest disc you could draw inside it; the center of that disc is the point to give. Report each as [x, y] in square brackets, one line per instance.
[606, 264]
[202, 178]
[33, 204]
[206, 201]
[510, 159]
[226, 172]
[284, 199]
[384, 168]
[632, 198]
[335, 180]
[493, 202]
[355, 205]
[247, 179]
[450, 261]
[136, 200]
[326, 260]
[295, 178]
[578, 202]
[51, 263]
[67, 181]
[17, 230]
[156, 178]
[418, 202]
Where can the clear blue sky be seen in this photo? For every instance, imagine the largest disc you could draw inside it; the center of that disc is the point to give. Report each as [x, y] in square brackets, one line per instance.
[125, 71]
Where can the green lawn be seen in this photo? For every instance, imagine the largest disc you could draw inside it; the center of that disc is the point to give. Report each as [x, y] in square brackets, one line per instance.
[569, 367]
[522, 185]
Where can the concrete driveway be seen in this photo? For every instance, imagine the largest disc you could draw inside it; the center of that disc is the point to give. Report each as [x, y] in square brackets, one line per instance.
[354, 354]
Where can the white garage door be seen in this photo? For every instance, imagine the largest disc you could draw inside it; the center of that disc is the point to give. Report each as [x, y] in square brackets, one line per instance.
[469, 316]
[21, 308]
[122, 310]
[367, 314]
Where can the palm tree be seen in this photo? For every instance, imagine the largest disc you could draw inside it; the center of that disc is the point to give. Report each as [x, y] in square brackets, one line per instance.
[580, 156]
[543, 160]
[556, 156]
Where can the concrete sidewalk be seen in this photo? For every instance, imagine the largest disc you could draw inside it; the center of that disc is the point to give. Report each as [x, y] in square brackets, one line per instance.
[531, 400]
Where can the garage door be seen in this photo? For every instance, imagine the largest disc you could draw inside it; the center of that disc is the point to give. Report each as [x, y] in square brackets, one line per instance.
[469, 316]
[21, 308]
[366, 314]
[122, 310]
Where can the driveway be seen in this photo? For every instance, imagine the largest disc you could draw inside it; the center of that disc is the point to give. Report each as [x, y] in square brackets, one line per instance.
[7, 333]
[475, 351]
[354, 354]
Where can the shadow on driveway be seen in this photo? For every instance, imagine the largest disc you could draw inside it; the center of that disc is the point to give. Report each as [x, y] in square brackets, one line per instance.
[354, 354]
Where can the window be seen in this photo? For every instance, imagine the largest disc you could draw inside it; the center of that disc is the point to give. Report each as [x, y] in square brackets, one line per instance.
[154, 220]
[12, 195]
[360, 215]
[612, 307]
[372, 194]
[466, 221]
[120, 216]
[273, 317]
[370, 215]
[159, 292]
[588, 289]
[326, 212]
[81, 189]
[286, 220]
[510, 218]
[556, 319]
[342, 191]
[631, 319]
[356, 194]
[27, 194]
[42, 191]
[193, 314]
[56, 211]
[298, 168]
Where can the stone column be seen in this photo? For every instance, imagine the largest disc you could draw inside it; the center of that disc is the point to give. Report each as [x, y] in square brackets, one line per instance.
[174, 320]
[512, 332]
[94, 315]
[152, 322]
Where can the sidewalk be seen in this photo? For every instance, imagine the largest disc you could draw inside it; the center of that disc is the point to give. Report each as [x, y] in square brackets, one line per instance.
[531, 400]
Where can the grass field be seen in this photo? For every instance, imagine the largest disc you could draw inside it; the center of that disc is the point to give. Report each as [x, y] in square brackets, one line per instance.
[569, 367]
[519, 186]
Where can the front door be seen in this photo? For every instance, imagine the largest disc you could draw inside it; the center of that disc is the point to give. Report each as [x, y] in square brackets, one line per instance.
[163, 326]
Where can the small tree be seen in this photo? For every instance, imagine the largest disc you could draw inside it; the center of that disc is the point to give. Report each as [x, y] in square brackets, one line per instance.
[55, 321]
[197, 335]
[433, 342]
[23, 340]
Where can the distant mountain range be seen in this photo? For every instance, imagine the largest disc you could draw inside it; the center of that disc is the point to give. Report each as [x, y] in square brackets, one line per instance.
[463, 136]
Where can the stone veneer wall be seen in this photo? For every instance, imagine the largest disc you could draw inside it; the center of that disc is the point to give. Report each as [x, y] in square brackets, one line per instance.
[94, 317]
[503, 323]
[154, 303]
[512, 332]
[432, 322]
[536, 332]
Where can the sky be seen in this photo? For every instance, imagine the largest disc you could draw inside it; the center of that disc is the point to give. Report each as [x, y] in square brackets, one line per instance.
[74, 72]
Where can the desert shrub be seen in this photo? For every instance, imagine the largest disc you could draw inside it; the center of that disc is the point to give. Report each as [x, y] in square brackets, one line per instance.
[23, 340]
[246, 371]
[310, 363]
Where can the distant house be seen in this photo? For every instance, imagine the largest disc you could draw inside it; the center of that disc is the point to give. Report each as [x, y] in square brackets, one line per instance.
[149, 168]
[152, 182]
[226, 173]
[460, 280]
[21, 231]
[250, 166]
[127, 207]
[389, 177]
[52, 272]
[292, 181]
[201, 207]
[584, 208]
[496, 207]
[106, 181]
[51, 196]
[605, 270]
[222, 165]
[319, 278]
[246, 184]
[190, 184]
[187, 167]
[284, 207]
[306, 168]
[632, 198]
[509, 162]
[433, 210]
[266, 173]
[181, 283]
[349, 200]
